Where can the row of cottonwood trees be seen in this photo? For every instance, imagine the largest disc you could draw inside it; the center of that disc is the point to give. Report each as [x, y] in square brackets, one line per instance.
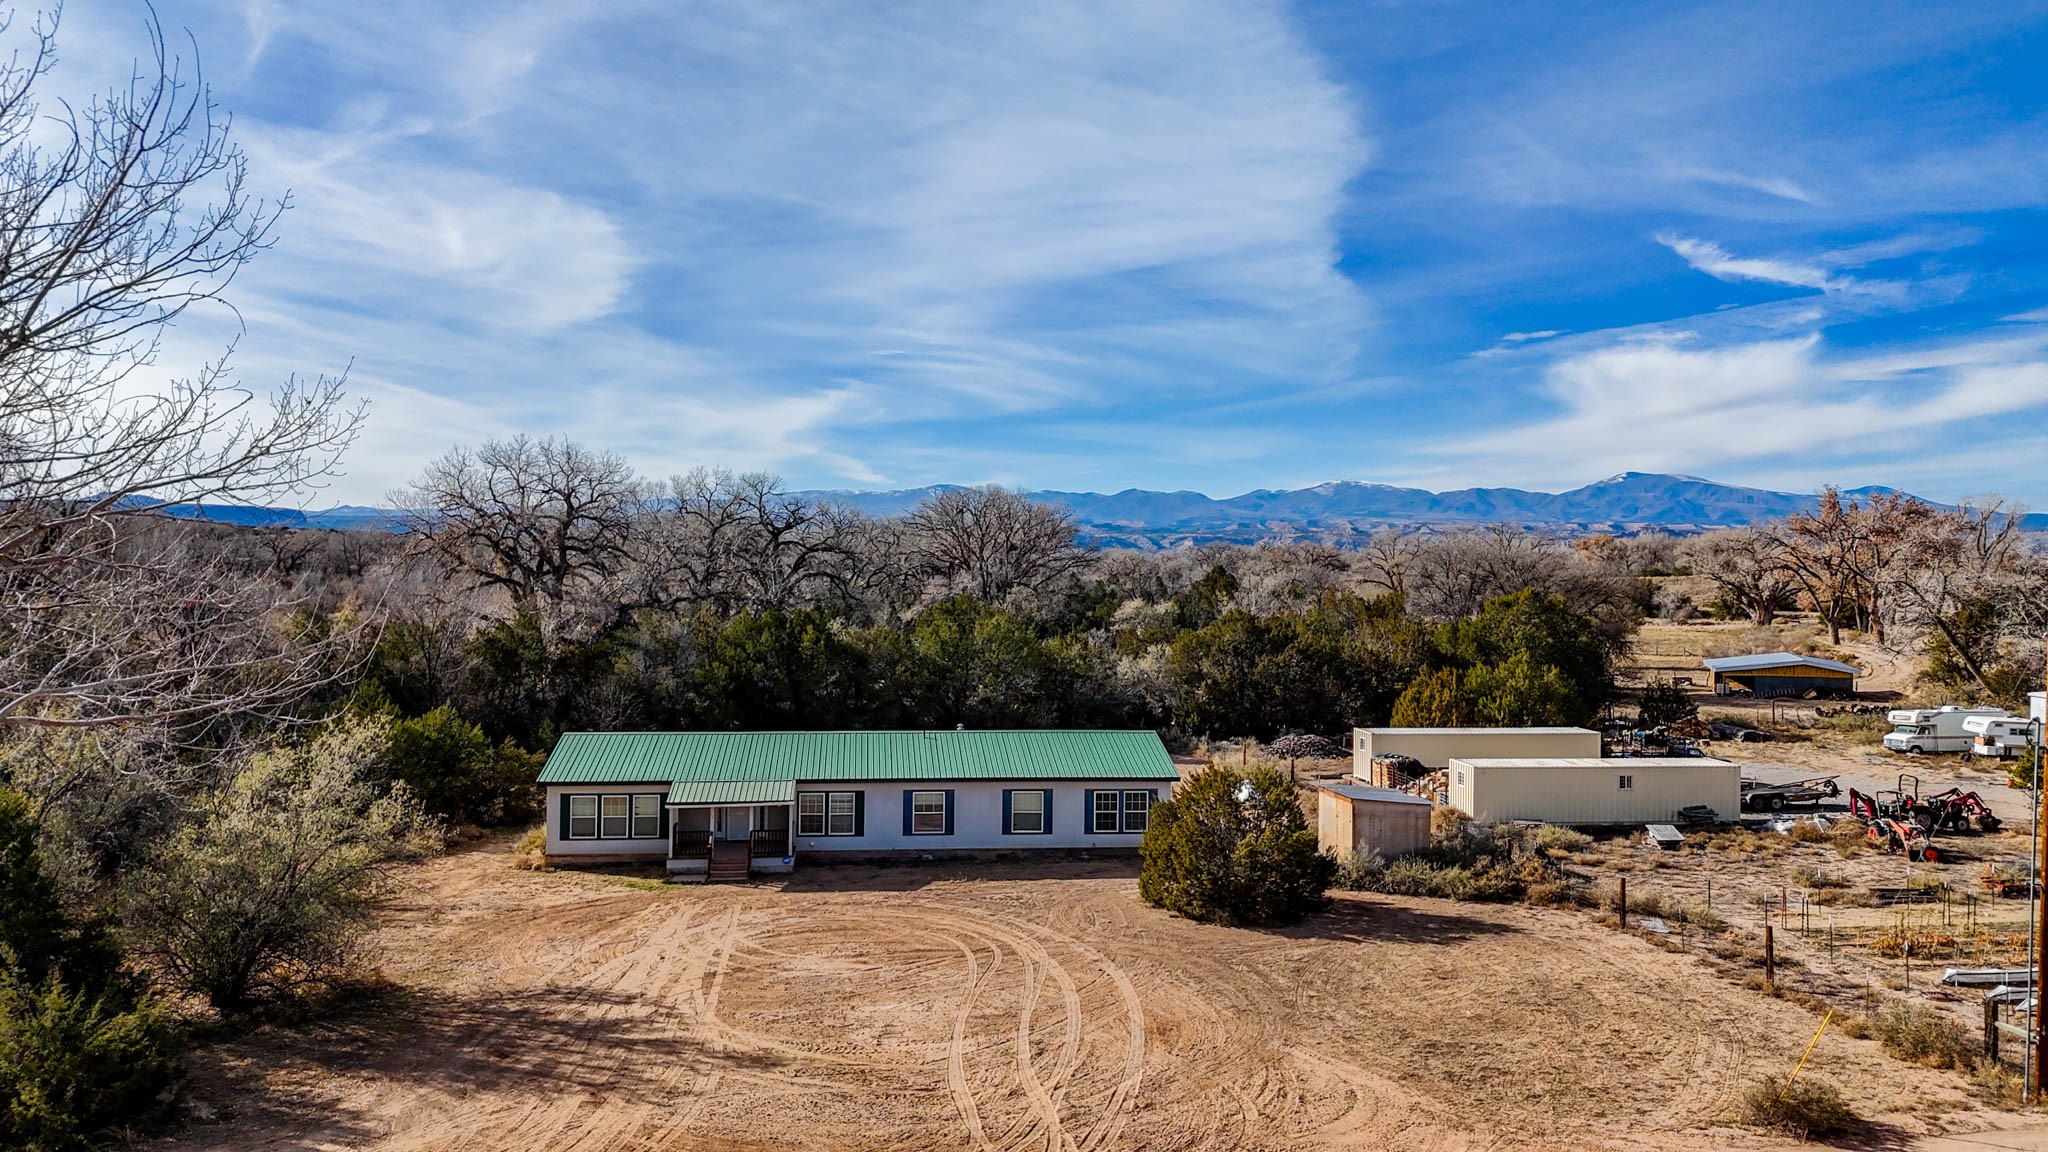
[1965, 586]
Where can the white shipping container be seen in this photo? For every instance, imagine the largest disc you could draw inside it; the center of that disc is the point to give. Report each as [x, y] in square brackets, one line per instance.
[1435, 747]
[1591, 790]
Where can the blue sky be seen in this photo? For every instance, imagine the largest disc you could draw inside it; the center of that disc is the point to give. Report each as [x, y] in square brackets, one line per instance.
[1198, 244]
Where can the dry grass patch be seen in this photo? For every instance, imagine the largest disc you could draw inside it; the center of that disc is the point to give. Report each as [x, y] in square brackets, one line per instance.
[1804, 1108]
[531, 851]
[1923, 1035]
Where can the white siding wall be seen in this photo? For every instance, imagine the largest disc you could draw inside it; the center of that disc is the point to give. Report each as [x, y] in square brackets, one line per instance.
[977, 818]
[1436, 747]
[558, 845]
[1590, 793]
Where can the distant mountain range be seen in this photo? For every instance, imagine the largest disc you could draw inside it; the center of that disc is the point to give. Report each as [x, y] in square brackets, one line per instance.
[1338, 512]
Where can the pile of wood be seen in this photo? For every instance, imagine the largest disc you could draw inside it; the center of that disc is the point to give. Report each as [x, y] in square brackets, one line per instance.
[1393, 771]
[1430, 786]
[1853, 710]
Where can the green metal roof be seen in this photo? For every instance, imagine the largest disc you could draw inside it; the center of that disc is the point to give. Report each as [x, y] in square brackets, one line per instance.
[732, 792]
[675, 757]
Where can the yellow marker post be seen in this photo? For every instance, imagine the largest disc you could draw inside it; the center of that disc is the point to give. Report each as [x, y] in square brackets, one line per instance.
[1815, 1042]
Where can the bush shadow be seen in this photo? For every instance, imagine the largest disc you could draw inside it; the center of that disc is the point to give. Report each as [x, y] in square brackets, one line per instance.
[1363, 920]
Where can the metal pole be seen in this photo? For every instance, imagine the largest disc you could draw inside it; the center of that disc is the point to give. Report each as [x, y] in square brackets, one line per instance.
[2037, 922]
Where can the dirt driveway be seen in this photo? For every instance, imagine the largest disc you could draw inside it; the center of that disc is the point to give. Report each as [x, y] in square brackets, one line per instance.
[1017, 1007]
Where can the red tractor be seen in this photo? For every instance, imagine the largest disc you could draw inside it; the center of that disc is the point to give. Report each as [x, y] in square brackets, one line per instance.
[1902, 804]
[1894, 835]
[1958, 811]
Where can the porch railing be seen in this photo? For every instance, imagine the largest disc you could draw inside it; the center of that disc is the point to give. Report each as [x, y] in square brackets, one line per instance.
[689, 845]
[773, 842]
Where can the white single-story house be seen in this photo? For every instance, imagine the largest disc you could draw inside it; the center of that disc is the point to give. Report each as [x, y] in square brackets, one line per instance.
[727, 803]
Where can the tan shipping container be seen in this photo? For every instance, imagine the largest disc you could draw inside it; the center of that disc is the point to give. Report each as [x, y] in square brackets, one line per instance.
[1435, 747]
[1354, 820]
[1590, 790]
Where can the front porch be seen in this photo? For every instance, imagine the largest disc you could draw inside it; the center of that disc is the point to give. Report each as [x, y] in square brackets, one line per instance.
[729, 841]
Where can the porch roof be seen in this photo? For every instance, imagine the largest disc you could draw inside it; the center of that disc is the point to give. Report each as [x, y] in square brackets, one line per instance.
[732, 792]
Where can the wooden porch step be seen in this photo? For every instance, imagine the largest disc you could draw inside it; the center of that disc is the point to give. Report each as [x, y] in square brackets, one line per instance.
[729, 861]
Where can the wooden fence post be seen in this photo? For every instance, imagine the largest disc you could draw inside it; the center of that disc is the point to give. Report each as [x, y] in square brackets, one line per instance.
[1624, 901]
[1770, 958]
[1990, 1029]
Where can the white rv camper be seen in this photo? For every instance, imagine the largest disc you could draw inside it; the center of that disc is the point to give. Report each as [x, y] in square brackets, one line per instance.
[1998, 737]
[1918, 730]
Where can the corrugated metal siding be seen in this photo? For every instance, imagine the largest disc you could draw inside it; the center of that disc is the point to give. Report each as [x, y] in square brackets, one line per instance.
[1587, 791]
[732, 792]
[626, 757]
[1788, 685]
[1436, 747]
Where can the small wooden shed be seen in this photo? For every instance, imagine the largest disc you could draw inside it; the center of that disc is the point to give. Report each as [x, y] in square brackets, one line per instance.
[1354, 820]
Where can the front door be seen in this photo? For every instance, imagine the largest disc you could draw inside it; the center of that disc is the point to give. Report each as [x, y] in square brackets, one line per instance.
[735, 823]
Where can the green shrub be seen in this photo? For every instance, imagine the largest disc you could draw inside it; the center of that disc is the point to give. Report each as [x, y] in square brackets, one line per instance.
[1664, 702]
[78, 1068]
[1234, 847]
[450, 765]
[84, 1056]
[266, 891]
[1923, 1035]
[1806, 1108]
[2021, 772]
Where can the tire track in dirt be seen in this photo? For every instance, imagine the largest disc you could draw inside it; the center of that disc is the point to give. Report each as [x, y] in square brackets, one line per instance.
[956, 1053]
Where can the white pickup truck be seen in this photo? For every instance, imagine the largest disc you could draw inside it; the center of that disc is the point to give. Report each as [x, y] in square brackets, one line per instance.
[1918, 730]
[1999, 737]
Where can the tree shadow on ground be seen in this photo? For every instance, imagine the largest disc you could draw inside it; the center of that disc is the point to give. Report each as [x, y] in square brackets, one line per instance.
[556, 1040]
[1365, 921]
[912, 875]
[1874, 1135]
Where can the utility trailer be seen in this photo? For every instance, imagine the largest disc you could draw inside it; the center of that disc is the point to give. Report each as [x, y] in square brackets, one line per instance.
[1762, 796]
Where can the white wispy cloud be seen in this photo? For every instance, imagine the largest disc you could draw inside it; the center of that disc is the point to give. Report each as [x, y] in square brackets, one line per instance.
[1665, 404]
[1716, 261]
[753, 234]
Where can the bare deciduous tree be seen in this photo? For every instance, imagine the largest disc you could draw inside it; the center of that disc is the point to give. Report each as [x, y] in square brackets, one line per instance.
[988, 542]
[542, 521]
[1952, 560]
[137, 212]
[1748, 566]
[739, 542]
[1819, 551]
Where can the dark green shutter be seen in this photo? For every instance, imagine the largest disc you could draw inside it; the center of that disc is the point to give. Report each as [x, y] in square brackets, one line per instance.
[1007, 793]
[949, 811]
[1048, 811]
[1088, 811]
[664, 820]
[907, 794]
[565, 815]
[860, 813]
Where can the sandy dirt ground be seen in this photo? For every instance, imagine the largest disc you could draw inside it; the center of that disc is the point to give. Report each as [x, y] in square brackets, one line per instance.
[1006, 1006]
